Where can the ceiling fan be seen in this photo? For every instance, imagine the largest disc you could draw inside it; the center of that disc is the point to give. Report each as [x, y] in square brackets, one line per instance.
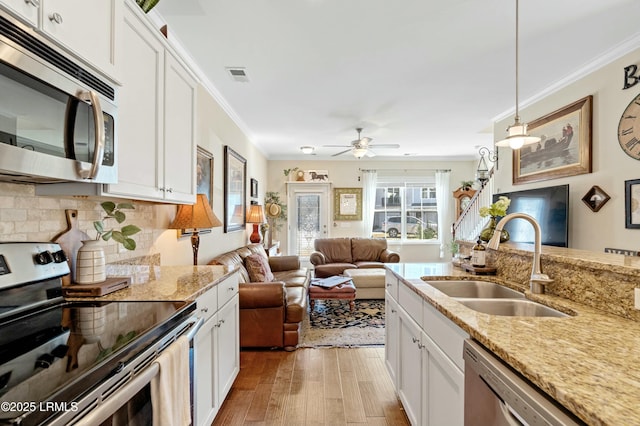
[361, 146]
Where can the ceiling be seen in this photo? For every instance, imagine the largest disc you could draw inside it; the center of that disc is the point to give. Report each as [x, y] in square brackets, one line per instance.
[428, 75]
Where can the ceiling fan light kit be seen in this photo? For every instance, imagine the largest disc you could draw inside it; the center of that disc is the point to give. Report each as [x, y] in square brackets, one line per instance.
[517, 132]
[360, 147]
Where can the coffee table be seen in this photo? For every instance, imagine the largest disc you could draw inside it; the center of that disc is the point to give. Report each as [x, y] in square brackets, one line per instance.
[344, 291]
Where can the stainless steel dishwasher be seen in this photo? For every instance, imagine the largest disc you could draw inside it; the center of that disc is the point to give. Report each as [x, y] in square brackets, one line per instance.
[495, 395]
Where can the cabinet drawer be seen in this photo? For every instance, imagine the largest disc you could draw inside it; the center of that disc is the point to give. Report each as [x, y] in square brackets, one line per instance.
[410, 302]
[207, 303]
[227, 289]
[445, 334]
[391, 284]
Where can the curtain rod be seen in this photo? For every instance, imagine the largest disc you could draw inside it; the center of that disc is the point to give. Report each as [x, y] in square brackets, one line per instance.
[404, 170]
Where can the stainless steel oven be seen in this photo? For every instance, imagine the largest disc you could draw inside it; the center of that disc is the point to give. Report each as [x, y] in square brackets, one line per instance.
[84, 363]
[57, 117]
[496, 395]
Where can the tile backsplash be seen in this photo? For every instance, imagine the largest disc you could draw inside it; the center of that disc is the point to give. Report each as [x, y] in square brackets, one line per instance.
[27, 217]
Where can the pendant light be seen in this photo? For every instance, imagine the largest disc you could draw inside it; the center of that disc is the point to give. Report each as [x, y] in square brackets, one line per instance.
[517, 132]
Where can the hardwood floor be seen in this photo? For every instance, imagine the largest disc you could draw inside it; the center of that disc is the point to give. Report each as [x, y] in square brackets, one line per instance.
[333, 386]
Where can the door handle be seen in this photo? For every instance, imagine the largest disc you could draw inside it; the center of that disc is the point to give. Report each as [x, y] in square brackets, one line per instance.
[91, 172]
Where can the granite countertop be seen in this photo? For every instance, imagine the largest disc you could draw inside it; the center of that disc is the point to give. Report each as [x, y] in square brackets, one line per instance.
[170, 283]
[587, 362]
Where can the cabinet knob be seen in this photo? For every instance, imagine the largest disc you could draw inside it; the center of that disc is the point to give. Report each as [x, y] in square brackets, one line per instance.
[231, 288]
[205, 310]
[169, 190]
[56, 17]
[162, 189]
[393, 311]
[415, 339]
[389, 284]
[34, 3]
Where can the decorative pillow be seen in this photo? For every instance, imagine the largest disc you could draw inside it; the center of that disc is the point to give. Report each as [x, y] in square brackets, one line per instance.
[258, 268]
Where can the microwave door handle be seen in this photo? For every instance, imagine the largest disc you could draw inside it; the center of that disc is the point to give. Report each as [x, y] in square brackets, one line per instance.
[98, 151]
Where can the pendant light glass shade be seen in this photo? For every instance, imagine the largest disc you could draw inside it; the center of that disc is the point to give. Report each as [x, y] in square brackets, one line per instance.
[517, 132]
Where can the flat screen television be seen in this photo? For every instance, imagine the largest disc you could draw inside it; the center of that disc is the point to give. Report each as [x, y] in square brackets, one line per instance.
[549, 206]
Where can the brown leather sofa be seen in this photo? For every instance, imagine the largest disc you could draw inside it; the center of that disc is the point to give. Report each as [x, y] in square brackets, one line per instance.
[333, 255]
[271, 313]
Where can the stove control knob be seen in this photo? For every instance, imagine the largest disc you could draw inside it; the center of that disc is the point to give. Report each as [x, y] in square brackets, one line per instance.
[44, 257]
[59, 256]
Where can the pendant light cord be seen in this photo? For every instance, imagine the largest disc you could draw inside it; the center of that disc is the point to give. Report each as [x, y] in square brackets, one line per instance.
[517, 117]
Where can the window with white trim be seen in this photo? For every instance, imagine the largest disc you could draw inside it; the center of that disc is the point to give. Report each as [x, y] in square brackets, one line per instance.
[406, 208]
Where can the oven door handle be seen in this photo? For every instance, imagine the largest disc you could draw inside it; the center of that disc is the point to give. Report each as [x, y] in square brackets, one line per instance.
[111, 405]
[194, 328]
[91, 97]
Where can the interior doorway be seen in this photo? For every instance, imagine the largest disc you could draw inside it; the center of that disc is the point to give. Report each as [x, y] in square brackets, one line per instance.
[308, 216]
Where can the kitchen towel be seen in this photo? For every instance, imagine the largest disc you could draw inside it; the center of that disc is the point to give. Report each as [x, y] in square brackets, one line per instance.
[170, 396]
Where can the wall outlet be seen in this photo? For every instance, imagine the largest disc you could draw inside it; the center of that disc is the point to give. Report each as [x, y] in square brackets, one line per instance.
[636, 292]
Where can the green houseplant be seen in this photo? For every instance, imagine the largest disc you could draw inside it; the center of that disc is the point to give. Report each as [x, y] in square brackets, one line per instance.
[123, 235]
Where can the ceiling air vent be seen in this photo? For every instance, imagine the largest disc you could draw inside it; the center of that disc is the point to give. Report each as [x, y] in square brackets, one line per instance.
[238, 74]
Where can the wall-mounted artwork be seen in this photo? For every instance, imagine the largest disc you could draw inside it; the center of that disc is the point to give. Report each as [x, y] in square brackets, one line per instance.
[595, 198]
[235, 178]
[565, 145]
[347, 204]
[316, 176]
[632, 203]
[254, 188]
[204, 174]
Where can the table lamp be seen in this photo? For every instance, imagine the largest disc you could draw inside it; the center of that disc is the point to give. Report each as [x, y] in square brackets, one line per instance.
[195, 216]
[255, 216]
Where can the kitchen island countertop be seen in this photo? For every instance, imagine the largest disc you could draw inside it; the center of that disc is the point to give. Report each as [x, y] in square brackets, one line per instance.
[587, 362]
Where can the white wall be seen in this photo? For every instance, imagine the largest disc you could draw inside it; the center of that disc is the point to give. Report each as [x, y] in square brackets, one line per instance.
[215, 129]
[346, 174]
[611, 166]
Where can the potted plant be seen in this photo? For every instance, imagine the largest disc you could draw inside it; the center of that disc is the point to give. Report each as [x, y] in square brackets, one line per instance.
[121, 236]
[288, 172]
[466, 185]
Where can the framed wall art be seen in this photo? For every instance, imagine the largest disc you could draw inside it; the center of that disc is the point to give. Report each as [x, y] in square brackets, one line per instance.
[564, 149]
[235, 178]
[632, 203]
[204, 174]
[595, 198]
[254, 188]
[347, 204]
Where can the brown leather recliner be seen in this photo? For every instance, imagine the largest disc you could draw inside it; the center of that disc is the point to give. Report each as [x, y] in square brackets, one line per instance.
[271, 313]
[332, 256]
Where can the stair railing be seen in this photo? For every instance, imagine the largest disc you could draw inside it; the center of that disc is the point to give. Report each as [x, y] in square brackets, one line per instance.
[469, 224]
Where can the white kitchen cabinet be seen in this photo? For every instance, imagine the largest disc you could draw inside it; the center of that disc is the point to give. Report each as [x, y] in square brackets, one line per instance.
[27, 10]
[216, 349]
[90, 29]
[410, 367]
[156, 137]
[444, 387]
[391, 337]
[423, 355]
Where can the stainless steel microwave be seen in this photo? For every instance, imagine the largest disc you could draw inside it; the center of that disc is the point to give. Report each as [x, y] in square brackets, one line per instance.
[57, 117]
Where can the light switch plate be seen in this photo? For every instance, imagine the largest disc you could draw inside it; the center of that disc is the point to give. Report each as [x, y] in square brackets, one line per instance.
[637, 298]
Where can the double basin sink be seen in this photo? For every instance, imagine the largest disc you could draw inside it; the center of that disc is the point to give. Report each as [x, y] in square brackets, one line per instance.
[494, 299]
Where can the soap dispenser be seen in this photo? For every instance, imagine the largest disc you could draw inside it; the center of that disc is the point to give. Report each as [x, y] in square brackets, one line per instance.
[478, 255]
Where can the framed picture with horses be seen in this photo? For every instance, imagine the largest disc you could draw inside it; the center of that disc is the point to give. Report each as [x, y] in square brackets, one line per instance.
[564, 148]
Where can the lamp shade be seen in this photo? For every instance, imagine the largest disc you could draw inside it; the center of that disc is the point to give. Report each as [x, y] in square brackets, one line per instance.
[195, 216]
[256, 214]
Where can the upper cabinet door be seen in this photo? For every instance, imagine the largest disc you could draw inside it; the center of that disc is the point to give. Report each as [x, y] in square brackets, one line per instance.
[24, 9]
[89, 28]
[179, 132]
[140, 113]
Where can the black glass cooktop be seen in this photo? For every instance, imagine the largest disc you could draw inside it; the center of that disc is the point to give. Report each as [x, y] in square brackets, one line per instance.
[60, 351]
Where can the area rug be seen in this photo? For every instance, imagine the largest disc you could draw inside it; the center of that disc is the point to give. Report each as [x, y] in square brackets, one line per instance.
[332, 324]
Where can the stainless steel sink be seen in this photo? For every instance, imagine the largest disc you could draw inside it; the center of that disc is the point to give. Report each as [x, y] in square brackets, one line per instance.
[475, 289]
[511, 307]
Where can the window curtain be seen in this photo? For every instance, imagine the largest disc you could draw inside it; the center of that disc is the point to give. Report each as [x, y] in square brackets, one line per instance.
[443, 195]
[369, 182]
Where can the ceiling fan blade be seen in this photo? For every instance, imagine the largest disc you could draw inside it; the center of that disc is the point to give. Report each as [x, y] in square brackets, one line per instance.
[370, 153]
[388, 145]
[365, 141]
[341, 152]
[336, 146]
